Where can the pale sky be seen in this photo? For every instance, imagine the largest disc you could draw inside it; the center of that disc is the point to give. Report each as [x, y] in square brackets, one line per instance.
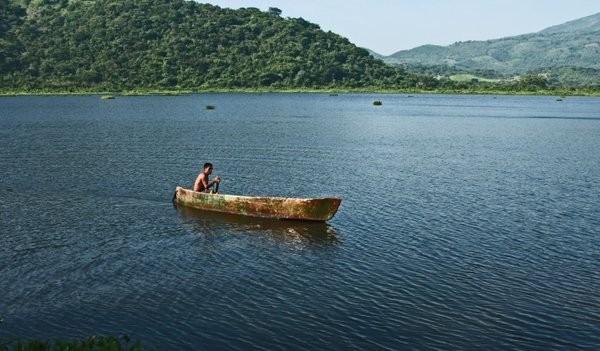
[388, 26]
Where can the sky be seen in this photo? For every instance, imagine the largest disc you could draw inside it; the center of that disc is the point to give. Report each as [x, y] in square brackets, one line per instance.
[388, 26]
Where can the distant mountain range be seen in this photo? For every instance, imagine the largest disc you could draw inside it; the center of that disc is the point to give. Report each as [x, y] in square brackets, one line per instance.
[575, 44]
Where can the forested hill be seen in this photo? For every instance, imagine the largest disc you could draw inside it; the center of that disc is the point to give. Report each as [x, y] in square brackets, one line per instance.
[573, 44]
[155, 44]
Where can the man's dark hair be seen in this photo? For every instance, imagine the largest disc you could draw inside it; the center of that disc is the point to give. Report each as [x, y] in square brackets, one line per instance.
[207, 164]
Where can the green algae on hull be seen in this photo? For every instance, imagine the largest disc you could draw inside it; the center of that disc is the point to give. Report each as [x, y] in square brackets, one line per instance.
[311, 209]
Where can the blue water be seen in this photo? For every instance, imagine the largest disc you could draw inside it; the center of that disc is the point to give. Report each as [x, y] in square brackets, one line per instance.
[467, 222]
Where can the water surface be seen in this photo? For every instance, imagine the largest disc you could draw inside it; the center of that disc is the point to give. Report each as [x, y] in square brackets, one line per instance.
[467, 222]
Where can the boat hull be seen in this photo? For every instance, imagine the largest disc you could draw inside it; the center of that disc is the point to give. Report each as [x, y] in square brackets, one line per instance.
[315, 209]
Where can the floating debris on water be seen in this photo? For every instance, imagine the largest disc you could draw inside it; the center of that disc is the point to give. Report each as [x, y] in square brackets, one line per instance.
[210, 107]
[377, 103]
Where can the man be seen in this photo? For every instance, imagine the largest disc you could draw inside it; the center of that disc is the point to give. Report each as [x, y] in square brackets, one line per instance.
[202, 183]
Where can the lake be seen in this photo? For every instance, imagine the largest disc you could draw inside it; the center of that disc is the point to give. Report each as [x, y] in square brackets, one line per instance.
[467, 222]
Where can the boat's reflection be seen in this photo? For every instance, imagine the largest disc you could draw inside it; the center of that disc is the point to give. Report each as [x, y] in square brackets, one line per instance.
[307, 232]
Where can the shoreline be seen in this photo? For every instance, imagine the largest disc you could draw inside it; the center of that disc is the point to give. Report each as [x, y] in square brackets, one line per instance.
[156, 92]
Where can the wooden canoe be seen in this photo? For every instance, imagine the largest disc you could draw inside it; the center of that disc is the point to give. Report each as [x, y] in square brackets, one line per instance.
[315, 209]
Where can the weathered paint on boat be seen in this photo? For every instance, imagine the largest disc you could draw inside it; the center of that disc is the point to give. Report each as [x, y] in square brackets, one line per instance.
[316, 209]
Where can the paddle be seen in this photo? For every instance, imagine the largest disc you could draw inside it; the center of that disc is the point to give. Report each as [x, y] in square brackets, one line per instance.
[217, 188]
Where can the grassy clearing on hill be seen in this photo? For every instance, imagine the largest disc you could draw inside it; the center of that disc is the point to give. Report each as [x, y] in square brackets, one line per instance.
[471, 77]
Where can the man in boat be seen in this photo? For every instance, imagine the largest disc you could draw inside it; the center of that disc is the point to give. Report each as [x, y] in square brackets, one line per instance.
[202, 183]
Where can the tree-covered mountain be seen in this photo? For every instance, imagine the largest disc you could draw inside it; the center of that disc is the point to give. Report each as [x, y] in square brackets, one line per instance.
[145, 45]
[155, 44]
[570, 47]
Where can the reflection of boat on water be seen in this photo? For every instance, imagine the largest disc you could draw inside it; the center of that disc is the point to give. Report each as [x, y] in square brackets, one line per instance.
[305, 231]
[312, 209]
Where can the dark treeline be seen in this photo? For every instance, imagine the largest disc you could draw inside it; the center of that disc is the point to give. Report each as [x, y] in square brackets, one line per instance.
[559, 77]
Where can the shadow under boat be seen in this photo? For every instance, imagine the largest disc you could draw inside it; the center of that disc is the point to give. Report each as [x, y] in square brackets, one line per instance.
[285, 229]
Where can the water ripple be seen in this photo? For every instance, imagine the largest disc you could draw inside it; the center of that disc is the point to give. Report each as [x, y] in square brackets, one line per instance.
[466, 222]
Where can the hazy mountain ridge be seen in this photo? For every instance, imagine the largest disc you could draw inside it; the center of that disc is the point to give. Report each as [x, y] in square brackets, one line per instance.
[585, 24]
[572, 44]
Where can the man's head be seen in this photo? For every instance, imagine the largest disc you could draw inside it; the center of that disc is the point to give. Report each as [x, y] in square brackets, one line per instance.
[208, 167]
